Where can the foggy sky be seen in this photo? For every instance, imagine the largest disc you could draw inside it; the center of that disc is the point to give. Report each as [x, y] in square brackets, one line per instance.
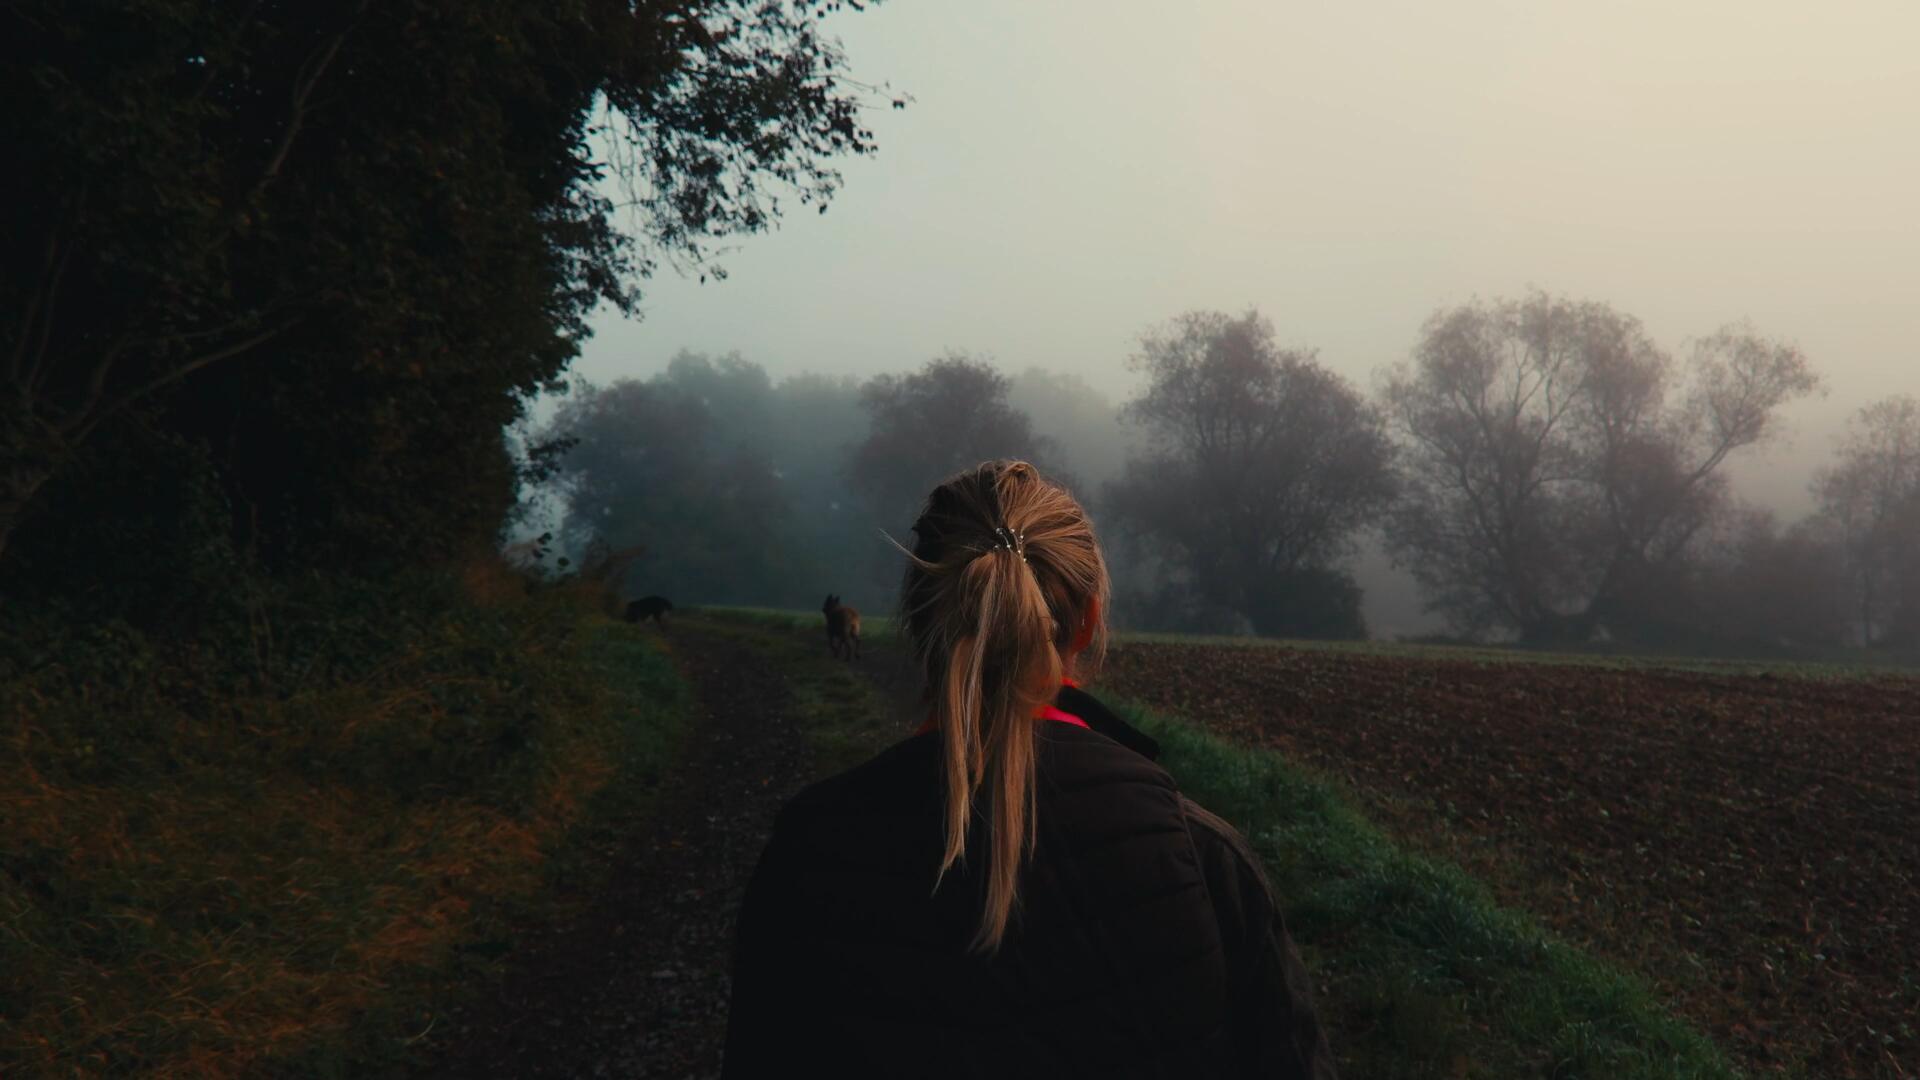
[1074, 170]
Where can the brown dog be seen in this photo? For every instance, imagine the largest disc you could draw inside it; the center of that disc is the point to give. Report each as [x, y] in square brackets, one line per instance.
[843, 628]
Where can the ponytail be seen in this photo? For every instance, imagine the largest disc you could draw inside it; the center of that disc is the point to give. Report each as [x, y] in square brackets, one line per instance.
[1004, 571]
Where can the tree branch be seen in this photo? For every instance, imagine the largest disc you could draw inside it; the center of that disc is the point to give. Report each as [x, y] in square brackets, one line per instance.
[87, 425]
[58, 258]
[305, 82]
[38, 366]
[17, 361]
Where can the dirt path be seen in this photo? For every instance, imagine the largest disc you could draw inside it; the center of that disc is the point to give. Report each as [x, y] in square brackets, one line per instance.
[637, 985]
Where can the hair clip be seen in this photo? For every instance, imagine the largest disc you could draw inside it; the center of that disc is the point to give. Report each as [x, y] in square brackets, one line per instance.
[1011, 541]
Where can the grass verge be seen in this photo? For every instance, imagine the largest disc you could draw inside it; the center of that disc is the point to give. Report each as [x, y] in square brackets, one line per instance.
[1422, 973]
[288, 862]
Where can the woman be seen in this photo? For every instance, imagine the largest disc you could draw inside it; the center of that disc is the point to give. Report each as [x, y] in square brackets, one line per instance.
[1017, 889]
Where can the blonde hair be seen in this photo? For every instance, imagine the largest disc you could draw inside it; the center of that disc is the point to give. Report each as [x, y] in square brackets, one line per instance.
[1002, 578]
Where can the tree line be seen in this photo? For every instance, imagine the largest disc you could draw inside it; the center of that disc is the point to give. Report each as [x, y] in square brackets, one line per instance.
[1548, 473]
[279, 285]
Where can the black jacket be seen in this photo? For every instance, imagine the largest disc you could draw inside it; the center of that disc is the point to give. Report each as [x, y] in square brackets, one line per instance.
[1146, 942]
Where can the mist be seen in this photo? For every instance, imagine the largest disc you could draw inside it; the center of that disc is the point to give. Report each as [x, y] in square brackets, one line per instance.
[1348, 172]
[436, 435]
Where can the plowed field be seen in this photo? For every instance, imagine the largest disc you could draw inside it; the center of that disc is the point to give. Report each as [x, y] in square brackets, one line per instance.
[1750, 843]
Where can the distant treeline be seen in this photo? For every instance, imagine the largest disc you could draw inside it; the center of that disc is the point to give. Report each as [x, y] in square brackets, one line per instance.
[1548, 474]
[280, 286]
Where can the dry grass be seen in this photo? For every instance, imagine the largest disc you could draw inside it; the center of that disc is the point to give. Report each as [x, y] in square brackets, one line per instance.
[209, 882]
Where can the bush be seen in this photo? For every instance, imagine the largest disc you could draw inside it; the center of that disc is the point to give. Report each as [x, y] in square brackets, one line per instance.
[138, 529]
[1312, 602]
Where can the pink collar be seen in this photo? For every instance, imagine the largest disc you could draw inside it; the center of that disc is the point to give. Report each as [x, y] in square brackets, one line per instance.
[1047, 712]
[1051, 713]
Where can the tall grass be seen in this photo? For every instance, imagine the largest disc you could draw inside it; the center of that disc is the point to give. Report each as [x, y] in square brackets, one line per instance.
[1422, 973]
[275, 846]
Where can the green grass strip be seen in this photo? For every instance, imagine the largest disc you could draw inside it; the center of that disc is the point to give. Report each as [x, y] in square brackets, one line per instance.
[1422, 973]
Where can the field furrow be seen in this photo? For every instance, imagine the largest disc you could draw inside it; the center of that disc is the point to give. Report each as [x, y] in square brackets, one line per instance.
[1746, 841]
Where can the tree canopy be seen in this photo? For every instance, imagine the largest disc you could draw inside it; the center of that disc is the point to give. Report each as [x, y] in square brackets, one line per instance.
[1261, 468]
[950, 414]
[338, 246]
[1870, 498]
[733, 486]
[1560, 466]
[650, 467]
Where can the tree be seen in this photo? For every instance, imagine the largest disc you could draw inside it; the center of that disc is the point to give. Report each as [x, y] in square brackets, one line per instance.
[812, 437]
[736, 392]
[650, 469]
[1091, 443]
[1870, 498]
[379, 224]
[1261, 467]
[1769, 587]
[951, 414]
[736, 487]
[1558, 463]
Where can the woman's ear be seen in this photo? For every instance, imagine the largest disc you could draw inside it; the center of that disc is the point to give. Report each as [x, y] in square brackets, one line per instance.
[1083, 637]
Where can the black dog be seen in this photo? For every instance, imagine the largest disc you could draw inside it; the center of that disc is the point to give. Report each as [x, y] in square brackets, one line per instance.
[649, 607]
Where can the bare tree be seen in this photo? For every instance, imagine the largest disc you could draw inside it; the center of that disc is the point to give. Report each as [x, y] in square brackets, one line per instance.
[1871, 499]
[1262, 466]
[1557, 460]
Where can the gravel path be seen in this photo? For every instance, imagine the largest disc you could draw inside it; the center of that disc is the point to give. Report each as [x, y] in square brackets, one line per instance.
[637, 985]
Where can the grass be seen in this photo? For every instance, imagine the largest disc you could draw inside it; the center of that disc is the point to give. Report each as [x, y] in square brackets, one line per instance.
[1422, 973]
[844, 717]
[288, 865]
[651, 704]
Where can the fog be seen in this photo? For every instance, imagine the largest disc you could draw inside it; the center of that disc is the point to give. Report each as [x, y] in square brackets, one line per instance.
[1069, 173]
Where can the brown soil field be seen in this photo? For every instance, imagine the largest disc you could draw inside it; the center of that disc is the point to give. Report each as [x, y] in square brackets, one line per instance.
[1750, 843]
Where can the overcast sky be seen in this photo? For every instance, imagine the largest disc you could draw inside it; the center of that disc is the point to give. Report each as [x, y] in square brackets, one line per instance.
[1072, 171]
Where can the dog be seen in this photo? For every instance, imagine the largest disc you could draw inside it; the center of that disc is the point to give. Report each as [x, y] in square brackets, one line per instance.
[843, 629]
[649, 607]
